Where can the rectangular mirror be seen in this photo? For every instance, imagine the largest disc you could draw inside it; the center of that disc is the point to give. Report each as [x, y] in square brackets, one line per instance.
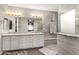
[22, 24]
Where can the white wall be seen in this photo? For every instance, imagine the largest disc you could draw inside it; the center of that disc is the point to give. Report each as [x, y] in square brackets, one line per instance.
[68, 22]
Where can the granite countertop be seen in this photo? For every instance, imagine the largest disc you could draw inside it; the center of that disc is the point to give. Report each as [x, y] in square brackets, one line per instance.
[68, 34]
[29, 33]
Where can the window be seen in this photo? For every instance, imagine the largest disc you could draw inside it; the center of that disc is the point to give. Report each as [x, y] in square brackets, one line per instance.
[68, 22]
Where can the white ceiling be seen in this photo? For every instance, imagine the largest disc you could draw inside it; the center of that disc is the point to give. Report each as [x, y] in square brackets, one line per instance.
[48, 7]
[66, 7]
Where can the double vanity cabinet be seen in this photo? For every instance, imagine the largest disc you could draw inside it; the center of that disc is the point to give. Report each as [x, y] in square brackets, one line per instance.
[21, 41]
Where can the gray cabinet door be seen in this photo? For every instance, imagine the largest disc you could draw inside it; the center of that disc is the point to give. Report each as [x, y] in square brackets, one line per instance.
[6, 43]
[14, 42]
[38, 41]
[26, 42]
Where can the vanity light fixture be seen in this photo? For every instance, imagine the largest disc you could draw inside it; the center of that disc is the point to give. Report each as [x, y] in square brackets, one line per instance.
[13, 13]
[37, 15]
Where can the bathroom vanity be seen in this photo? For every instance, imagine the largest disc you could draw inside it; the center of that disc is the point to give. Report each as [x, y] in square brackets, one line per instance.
[21, 33]
[21, 41]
